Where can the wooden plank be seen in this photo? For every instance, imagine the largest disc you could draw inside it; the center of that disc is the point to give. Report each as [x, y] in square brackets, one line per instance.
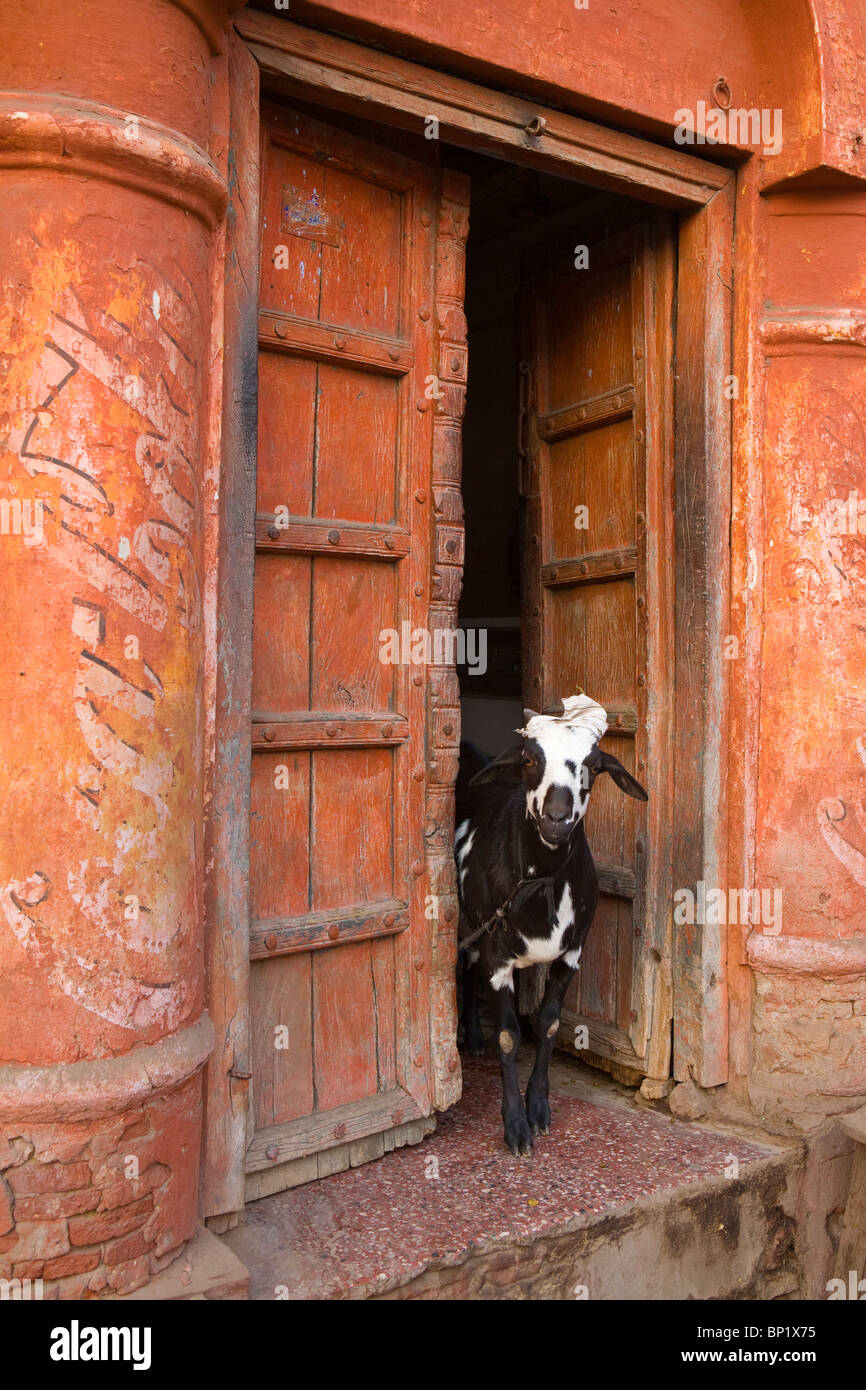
[616, 879]
[370, 83]
[227, 825]
[702, 483]
[608, 564]
[344, 1025]
[604, 1039]
[325, 1130]
[324, 536]
[323, 343]
[587, 415]
[282, 1052]
[277, 732]
[281, 936]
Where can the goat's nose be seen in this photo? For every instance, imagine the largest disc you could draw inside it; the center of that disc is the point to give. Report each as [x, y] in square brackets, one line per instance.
[557, 816]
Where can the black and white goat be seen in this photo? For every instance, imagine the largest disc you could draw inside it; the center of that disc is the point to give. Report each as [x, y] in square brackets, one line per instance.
[528, 886]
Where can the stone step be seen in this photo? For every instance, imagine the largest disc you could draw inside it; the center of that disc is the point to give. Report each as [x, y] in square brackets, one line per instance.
[621, 1201]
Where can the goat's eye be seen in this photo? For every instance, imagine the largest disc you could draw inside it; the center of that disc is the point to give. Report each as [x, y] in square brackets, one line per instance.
[528, 761]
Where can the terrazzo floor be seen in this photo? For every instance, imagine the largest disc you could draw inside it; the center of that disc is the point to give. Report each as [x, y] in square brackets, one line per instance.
[461, 1188]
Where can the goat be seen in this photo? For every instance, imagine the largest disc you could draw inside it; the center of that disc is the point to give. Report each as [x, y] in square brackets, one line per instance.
[528, 887]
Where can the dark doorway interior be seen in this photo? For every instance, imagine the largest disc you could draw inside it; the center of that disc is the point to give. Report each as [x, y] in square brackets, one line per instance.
[512, 209]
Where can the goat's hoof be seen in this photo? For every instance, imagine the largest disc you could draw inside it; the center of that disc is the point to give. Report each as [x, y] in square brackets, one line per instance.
[473, 1045]
[538, 1114]
[518, 1137]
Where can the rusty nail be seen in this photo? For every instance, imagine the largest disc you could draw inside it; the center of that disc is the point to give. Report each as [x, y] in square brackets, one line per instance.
[425, 219]
[537, 126]
[641, 680]
[393, 354]
[271, 941]
[418, 590]
[633, 1015]
[333, 931]
[554, 574]
[417, 680]
[268, 734]
[638, 434]
[447, 730]
[389, 919]
[339, 341]
[334, 537]
[339, 1131]
[420, 495]
[274, 533]
[421, 406]
[452, 1064]
[584, 567]
[387, 730]
[638, 844]
[419, 965]
[638, 352]
[331, 730]
[418, 774]
[640, 518]
[397, 1117]
[424, 313]
[272, 1152]
[419, 1060]
[280, 330]
[389, 542]
[641, 601]
[417, 868]
[449, 914]
[619, 721]
[641, 762]
[618, 562]
[450, 547]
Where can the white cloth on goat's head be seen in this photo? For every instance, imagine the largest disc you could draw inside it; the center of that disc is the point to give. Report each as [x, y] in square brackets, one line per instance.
[579, 713]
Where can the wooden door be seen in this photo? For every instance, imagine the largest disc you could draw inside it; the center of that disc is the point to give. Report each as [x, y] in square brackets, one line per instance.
[598, 593]
[340, 938]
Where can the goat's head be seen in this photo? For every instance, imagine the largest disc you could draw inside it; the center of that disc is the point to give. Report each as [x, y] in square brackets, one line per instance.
[558, 762]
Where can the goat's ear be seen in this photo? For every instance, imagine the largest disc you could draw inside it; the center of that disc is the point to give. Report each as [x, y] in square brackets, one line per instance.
[623, 779]
[501, 768]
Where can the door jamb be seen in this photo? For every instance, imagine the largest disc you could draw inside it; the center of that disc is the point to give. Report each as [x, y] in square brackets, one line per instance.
[347, 76]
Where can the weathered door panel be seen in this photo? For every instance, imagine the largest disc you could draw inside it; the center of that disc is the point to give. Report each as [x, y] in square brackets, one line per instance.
[340, 980]
[598, 594]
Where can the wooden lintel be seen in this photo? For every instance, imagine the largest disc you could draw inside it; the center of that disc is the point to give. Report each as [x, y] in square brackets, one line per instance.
[370, 83]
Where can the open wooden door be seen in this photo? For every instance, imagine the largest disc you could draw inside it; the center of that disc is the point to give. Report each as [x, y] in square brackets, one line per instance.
[598, 594]
[342, 935]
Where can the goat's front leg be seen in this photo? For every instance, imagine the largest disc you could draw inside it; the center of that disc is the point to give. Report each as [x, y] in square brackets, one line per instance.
[518, 1136]
[537, 1092]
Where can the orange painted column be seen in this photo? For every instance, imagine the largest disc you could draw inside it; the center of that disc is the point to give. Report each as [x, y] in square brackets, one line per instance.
[109, 239]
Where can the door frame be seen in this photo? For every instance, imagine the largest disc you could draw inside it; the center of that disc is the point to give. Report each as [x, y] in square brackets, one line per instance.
[272, 55]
